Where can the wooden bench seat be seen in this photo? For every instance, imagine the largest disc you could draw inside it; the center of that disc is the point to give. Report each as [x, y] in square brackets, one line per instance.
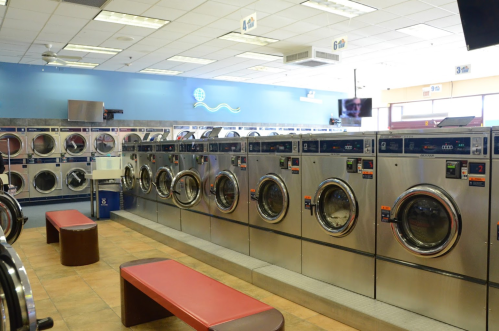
[77, 235]
[152, 289]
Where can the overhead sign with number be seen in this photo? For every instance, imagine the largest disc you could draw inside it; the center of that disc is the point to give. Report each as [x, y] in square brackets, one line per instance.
[461, 70]
[248, 23]
[340, 44]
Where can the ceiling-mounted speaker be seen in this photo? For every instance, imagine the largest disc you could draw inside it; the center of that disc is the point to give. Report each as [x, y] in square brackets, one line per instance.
[91, 3]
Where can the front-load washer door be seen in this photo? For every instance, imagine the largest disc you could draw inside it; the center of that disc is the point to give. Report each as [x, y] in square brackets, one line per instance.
[132, 138]
[272, 198]
[187, 189]
[232, 134]
[104, 143]
[206, 134]
[426, 221]
[15, 143]
[226, 191]
[75, 144]
[145, 179]
[163, 181]
[76, 180]
[11, 217]
[17, 180]
[181, 135]
[253, 134]
[43, 144]
[128, 180]
[45, 181]
[336, 207]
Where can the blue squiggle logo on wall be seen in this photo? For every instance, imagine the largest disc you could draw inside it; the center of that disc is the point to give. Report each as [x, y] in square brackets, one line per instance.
[200, 95]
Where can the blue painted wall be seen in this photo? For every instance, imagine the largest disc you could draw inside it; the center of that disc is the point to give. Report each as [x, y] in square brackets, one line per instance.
[29, 91]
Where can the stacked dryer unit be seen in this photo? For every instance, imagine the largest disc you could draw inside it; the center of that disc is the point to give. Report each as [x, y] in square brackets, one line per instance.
[13, 139]
[275, 207]
[493, 312]
[229, 193]
[339, 210]
[433, 225]
[146, 170]
[129, 185]
[130, 135]
[75, 162]
[155, 134]
[179, 131]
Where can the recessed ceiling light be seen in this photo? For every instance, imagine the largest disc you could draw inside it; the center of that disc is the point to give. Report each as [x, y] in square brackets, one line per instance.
[232, 78]
[75, 64]
[345, 8]
[267, 69]
[126, 19]
[248, 39]
[125, 38]
[160, 72]
[187, 59]
[424, 31]
[260, 56]
[92, 49]
[3, 2]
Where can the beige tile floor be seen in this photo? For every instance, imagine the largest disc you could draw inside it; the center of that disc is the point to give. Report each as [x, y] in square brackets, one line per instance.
[88, 297]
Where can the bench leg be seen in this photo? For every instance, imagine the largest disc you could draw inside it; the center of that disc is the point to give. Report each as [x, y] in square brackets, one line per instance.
[138, 308]
[79, 245]
[51, 232]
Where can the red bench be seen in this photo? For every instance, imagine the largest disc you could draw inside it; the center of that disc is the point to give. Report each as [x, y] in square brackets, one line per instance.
[152, 289]
[77, 235]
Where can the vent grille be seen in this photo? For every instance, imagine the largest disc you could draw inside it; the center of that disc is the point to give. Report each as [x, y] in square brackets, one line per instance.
[327, 56]
[296, 57]
[91, 3]
[312, 63]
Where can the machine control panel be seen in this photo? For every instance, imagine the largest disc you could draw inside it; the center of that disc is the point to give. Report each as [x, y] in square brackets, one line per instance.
[254, 147]
[130, 148]
[352, 166]
[279, 147]
[450, 145]
[145, 148]
[473, 172]
[290, 163]
[350, 146]
[229, 147]
[242, 163]
[453, 169]
[201, 159]
[165, 148]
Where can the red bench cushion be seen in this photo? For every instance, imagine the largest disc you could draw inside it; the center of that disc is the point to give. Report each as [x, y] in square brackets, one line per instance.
[195, 298]
[65, 218]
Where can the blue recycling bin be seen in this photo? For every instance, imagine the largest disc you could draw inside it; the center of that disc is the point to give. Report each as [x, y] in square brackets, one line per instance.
[109, 200]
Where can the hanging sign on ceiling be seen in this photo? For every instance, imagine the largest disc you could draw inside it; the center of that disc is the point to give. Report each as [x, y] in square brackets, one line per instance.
[248, 23]
[461, 70]
[340, 44]
[436, 88]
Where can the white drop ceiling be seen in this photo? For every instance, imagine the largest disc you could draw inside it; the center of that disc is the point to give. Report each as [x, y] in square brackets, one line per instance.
[384, 57]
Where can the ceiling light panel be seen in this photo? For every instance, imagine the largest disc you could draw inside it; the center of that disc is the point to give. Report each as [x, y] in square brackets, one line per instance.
[345, 8]
[187, 59]
[126, 19]
[75, 64]
[248, 39]
[3, 2]
[161, 72]
[259, 56]
[424, 31]
[232, 78]
[267, 69]
[92, 49]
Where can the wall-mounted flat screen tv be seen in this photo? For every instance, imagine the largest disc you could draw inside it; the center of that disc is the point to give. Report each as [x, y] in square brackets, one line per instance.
[480, 23]
[355, 108]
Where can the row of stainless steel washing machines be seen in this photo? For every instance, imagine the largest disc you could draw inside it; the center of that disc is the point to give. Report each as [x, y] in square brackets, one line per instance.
[400, 216]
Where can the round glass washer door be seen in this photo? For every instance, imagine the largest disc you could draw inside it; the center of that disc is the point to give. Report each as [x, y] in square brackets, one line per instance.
[163, 180]
[253, 134]
[336, 207]
[104, 143]
[15, 142]
[11, 218]
[273, 133]
[76, 180]
[128, 179]
[226, 190]
[132, 138]
[426, 221]
[187, 189]
[75, 144]
[232, 134]
[181, 135]
[17, 180]
[43, 144]
[272, 198]
[45, 181]
[145, 179]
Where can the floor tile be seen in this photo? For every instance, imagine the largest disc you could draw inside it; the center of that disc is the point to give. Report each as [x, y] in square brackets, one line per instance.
[105, 319]
[79, 303]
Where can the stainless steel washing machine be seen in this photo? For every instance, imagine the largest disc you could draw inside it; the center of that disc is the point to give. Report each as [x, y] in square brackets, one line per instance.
[433, 225]
[339, 210]
[146, 170]
[105, 141]
[229, 193]
[75, 170]
[44, 142]
[130, 135]
[16, 137]
[75, 142]
[167, 167]
[493, 312]
[46, 178]
[19, 177]
[191, 188]
[128, 181]
[275, 200]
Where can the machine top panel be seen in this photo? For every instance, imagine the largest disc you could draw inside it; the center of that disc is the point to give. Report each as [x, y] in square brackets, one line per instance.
[104, 129]
[43, 129]
[10, 129]
[132, 130]
[146, 148]
[72, 130]
[228, 147]
[166, 148]
[275, 147]
[154, 130]
[192, 148]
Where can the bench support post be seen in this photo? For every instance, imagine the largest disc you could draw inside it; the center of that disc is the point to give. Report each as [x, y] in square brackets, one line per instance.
[52, 233]
[79, 245]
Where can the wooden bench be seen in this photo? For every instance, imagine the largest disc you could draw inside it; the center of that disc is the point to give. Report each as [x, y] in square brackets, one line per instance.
[152, 289]
[77, 235]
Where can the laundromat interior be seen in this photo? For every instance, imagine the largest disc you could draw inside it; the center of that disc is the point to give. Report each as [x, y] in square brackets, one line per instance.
[299, 165]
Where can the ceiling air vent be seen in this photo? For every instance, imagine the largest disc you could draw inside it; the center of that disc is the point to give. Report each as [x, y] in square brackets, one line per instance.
[311, 57]
[91, 3]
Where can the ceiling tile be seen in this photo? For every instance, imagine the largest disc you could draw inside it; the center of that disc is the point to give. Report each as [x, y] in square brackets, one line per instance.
[398, 23]
[196, 19]
[325, 19]
[408, 7]
[62, 21]
[446, 21]
[79, 11]
[193, 39]
[381, 3]
[299, 12]
[300, 27]
[243, 12]
[455, 28]
[453, 7]
[10, 59]
[27, 15]
[128, 7]
[103, 26]
[349, 25]
[51, 37]
[371, 30]
[209, 32]
[181, 4]
[22, 24]
[17, 35]
[216, 9]
[136, 31]
[276, 21]
[429, 15]
[376, 17]
[150, 41]
[391, 35]
[164, 13]
[40, 6]
[269, 6]
[225, 24]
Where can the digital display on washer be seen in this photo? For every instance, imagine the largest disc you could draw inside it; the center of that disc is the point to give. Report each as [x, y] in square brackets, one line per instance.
[254, 148]
[167, 148]
[368, 164]
[391, 146]
[342, 146]
[450, 145]
[229, 147]
[277, 147]
[144, 148]
[213, 147]
[310, 147]
[193, 148]
[126, 148]
[477, 169]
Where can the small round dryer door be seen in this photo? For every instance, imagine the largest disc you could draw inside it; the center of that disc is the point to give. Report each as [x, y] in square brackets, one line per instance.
[273, 133]
[336, 207]
[15, 143]
[76, 180]
[187, 189]
[145, 179]
[253, 134]
[426, 221]
[45, 181]
[75, 144]
[232, 134]
[181, 135]
[226, 191]
[128, 179]
[17, 180]
[105, 143]
[163, 180]
[273, 198]
[132, 138]
[43, 144]
[11, 218]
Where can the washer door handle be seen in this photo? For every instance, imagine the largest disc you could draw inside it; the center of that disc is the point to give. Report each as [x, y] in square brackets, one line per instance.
[312, 205]
[392, 220]
[255, 198]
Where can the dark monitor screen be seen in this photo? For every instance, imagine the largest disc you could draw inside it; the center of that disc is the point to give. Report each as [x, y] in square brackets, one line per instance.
[480, 23]
[355, 108]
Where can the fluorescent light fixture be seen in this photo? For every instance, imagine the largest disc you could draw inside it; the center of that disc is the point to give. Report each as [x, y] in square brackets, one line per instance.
[3, 2]
[260, 56]
[187, 59]
[345, 8]
[92, 49]
[126, 19]
[232, 78]
[267, 69]
[424, 31]
[160, 72]
[75, 64]
[247, 38]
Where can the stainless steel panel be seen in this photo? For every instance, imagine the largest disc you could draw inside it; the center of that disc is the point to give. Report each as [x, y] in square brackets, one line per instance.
[147, 209]
[493, 309]
[448, 299]
[351, 271]
[130, 203]
[231, 235]
[169, 215]
[196, 224]
[86, 111]
[188, 162]
[277, 249]
[494, 219]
